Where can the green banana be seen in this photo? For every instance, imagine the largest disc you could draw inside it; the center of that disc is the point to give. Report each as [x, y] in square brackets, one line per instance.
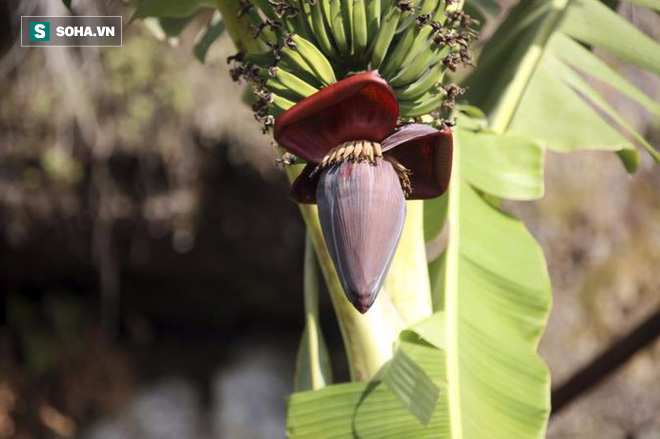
[428, 6]
[409, 20]
[297, 24]
[425, 104]
[347, 13]
[336, 21]
[360, 30]
[316, 60]
[326, 8]
[296, 64]
[383, 38]
[294, 83]
[279, 104]
[373, 17]
[413, 91]
[321, 32]
[264, 60]
[422, 40]
[415, 68]
[395, 58]
[386, 5]
[306, 17]
[276, 87]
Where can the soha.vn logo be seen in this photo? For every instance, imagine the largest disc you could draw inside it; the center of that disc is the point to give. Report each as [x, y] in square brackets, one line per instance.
[39, 31]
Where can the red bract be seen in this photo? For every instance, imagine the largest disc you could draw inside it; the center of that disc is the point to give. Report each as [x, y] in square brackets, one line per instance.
[346, 133]
[362, 107]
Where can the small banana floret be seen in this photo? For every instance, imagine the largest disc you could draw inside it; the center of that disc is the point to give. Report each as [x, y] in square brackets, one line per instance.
[283, 9]
[354, 151]
[452, 91]
[286, 159]
[403, 173]
[406, 6]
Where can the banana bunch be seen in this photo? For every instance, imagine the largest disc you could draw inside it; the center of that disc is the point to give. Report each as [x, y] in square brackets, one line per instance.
[309, 44]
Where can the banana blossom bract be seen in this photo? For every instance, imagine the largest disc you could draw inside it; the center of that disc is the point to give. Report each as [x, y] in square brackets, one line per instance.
[360, 171]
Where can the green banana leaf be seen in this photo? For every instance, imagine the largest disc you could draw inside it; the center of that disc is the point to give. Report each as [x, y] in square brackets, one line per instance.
[373, 410]
[531, 82]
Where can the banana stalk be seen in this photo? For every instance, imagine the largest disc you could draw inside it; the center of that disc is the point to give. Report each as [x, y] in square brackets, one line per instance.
[238, 29]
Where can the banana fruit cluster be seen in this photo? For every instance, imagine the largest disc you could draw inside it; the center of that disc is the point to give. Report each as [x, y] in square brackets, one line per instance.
[309, 44]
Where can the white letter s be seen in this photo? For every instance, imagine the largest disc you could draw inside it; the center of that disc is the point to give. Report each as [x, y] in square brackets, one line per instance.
[39, 31]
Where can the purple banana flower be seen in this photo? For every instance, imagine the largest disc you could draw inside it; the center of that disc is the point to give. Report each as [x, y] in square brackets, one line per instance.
[360, 171]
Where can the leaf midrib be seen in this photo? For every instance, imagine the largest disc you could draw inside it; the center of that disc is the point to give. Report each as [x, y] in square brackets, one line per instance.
[515, 90]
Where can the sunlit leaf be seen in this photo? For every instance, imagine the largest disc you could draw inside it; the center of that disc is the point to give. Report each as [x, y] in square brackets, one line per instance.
[369, 410]
[587, 63]
[593, 23]
[506, 166]
[435, 212]
[527, 81]
[410, 383]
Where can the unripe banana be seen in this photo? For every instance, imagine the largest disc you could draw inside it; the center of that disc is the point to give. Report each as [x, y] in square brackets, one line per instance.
[347, 15]
[275, 86]
[384, 36]
[412, 71]
[395, 58]
[321, 32]
[293, 62]
[279, 104]
[428, 6]
[315, 58]
[264, 60]
[294, 83]
[427, 103]
[296, 24]
[306, 18]
[360, 30]
[337, 28]
[415, 90]
[422, 41]
[373, 18]
[409, 20]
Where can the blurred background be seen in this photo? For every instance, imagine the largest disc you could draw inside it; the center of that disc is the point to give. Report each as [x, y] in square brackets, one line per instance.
[150, 259]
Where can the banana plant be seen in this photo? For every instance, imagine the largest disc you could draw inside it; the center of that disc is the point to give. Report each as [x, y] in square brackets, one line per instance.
[441, 295]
